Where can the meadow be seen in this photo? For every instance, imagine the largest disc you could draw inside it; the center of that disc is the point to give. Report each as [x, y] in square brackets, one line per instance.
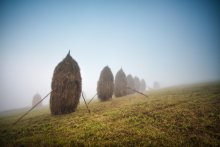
[178, 116]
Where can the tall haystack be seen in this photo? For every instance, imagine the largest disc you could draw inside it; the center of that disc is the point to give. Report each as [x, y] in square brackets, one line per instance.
[120, 88]
[137, 83]
[37, 99]
[130, 84]
[66, 86]
[105, 85]
[142, 85]
[156, 85]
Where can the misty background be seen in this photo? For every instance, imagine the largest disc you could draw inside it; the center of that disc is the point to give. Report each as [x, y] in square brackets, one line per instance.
[172, 42]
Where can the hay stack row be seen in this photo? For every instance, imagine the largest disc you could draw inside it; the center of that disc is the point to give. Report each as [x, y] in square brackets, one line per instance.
[66, 86]
[122, 86]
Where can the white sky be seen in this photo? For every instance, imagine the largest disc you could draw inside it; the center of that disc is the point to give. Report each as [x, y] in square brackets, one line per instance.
[172, 43]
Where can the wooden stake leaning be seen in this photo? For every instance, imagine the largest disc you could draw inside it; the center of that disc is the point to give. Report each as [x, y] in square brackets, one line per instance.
[137, 92]
[85, 102]
[92, 98]
[31, 109]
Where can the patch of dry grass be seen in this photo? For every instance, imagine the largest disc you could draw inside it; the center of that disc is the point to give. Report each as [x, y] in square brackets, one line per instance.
[182, 116]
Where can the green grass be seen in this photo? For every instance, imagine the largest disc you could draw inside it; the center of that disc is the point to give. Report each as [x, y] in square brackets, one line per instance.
[181, 116]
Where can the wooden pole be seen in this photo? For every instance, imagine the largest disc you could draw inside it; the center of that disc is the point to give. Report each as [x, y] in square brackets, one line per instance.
[31, 109]
[85, 102]
[92, 98]
[137, 92]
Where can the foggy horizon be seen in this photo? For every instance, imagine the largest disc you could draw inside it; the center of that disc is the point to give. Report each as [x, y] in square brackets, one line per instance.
[174, 43]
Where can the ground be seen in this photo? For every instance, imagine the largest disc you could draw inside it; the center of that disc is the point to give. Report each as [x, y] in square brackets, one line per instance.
[178, 116]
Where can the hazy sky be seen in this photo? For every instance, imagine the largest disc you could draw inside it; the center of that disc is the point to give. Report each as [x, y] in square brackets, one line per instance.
[172, 42]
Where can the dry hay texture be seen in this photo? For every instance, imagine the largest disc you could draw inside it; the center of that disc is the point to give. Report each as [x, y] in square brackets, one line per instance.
[37, 98]
[143, 85]
[130, 84]
[120, 88]
[137, 83]
[66, 86]
[105, 85]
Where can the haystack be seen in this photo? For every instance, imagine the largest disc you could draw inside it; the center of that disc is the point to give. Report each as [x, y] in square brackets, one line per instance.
[130, 84]
[120, 88]
[137, 83]
[66, 86]
[156, 85]
[105, 85]
[37, 98]
[142, 85]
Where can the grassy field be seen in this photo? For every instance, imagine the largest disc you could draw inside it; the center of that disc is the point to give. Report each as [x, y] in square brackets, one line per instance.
[180, 116]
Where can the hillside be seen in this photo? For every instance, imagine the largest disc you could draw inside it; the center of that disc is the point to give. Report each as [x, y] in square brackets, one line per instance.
[180, 116]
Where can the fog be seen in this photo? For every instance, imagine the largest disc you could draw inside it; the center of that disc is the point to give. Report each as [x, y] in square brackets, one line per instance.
[173, 43]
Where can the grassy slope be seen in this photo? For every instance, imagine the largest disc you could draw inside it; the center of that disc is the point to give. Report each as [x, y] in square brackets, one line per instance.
[169, 117]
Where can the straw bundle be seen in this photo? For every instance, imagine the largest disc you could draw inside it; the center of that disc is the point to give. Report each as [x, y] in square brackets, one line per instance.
[137, 83]
[130, 84]
[120, 88]
[105, 85]
[66, 86]
[36, 99]
[142, 85]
